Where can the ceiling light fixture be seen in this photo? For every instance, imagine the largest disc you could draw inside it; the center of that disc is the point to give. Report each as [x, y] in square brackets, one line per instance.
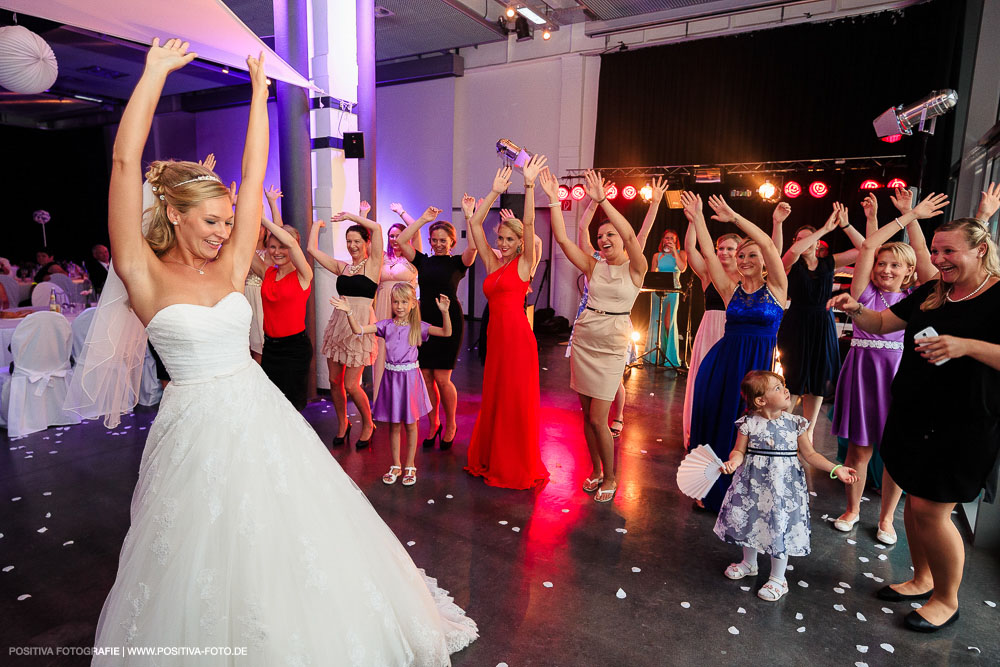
[530, 15]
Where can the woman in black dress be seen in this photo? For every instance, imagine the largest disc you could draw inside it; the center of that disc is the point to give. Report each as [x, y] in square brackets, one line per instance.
[942, 435]
[807, 339]
[440, 273]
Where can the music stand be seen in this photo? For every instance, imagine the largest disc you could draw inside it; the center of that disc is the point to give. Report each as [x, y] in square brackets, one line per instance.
[659, 283]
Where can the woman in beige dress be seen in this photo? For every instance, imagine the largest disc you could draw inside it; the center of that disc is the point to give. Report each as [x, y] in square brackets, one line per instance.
[601, 336]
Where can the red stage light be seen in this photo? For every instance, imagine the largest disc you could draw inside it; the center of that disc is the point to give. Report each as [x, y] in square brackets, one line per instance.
[563, 192]
[629, 192]
[578, 192]
[792, 189]
[896, 183]
[892, 138]
[870, 185]
[611, 191]
[818, 189]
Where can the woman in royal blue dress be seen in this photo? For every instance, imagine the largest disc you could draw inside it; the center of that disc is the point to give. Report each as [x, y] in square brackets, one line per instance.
[753, 314]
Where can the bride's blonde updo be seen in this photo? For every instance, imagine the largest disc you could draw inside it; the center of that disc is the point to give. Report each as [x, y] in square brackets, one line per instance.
[167, 177]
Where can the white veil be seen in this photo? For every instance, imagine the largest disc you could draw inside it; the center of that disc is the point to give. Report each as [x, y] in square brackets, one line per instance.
[107, 376]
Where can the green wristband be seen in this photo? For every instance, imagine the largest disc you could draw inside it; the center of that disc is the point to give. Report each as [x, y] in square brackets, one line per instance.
[834, 469]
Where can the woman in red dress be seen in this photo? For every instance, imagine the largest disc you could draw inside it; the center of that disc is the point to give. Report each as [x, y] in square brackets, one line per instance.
[504, 446]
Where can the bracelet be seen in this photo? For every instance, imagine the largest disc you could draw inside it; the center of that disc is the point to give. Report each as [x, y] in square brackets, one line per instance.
[844, 226]
[602, 200]
[834, 469]
[526, 186]
[854, 313]
[556, 204]
[901, 225]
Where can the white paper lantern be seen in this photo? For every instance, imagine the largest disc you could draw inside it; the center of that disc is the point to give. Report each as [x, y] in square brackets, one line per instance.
[27, 64]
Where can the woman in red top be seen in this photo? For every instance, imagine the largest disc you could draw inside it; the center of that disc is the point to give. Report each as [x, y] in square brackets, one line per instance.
[287, 348]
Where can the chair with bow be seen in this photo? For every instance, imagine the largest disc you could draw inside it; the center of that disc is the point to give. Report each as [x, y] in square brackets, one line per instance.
[67, 285]
[40, 295]
[80, 327]
[12, 289]
[31, 399]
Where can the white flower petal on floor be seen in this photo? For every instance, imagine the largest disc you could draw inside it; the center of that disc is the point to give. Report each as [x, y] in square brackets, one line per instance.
[803, 584]
[840, 607]
[790, 568]
[635, 569]
[861, 617]
[430, 502]
[620, 594]
[863, 559]
[879, 546]
[878, 579]
[744, 588]
[838, 589]
[973, 648]
[21, 598]
[410, 543]
[851, 542]
[449, 496]
[916, 605]
[686, 605]
[861, 664]
[15, 499]
[799, 616]
[990, 603]
[861, 648]
[502, 523]
[48, 515]
[813, 494]
[43, 529]
[8, 568]
[516, 529]
[547, 584]
[886, 610]
[883, 557]
[565, 511]
[66, 544]
[801, 629]
[733, 630]
[843, 585]
[741, 610]
[887, 647]
[621, 530]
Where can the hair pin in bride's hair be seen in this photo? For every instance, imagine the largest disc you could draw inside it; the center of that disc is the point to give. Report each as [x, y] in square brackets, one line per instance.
[199, 178]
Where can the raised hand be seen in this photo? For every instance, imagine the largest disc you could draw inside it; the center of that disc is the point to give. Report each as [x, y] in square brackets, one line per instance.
[209, 162]
[233, 193]
[430, 213]
[502, 180]
[834, 220]
[723, 212]
[842, 219]
[843, 301]
[691, 202]
[364, 207]
[396, 208]
[168, 58]
[595, 186]
[319, 223]
[443, 303]
[273, 194]
[506, 214]
[340, 304]
[256, 67]
[534, 166]
[989, 203]
[902, 199]
[870, 205]
[468, 205]
[550, 184]
[344, 215]
[930, 206]
[781, 212]
[659, 186]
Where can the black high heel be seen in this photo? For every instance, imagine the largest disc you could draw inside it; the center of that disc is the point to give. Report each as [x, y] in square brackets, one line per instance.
[429, 442]
[446, 444]
[340, 440]
[364, 444]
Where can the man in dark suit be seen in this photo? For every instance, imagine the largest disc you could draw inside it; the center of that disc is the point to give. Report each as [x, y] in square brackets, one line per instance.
[97, 268]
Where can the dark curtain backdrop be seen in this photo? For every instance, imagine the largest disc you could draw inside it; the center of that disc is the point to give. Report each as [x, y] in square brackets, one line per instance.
[801, 92]
[64, 172]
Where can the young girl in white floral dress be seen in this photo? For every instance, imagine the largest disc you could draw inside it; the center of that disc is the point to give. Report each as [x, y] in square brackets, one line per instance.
[766, 509]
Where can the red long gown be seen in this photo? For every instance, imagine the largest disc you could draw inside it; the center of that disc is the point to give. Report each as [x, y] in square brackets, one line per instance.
[504, 448]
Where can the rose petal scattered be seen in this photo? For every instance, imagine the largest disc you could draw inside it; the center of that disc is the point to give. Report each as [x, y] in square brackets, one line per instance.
[799, 616]
[635, 569]
[430, 502]
[801, 629]
[863, 559]
[733, 630]
[516, 529]
[686, 605]
[23, 597]
[878, 579]
[883, 557]
[803, 584]
[449, 496]
[620, 594]
[812, 493]
[886, 610]
[43, 529]
[879, 546]
[861, 648]
[843, 585]
[990, 603]
[851, 542]
[410, 543]
[840, 607]
[838, 589]
[547, 584]
[621, 530]
[861, 617]
[8, 568]
[741, 610]
[502, 523]
[887, 647]
[744, 588]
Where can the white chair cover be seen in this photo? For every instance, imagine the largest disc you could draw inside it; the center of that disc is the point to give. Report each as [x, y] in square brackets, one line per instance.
[67, 285]
[40, 295]
[32, 399]
[150, 389]
[80, 326]
[12, 288]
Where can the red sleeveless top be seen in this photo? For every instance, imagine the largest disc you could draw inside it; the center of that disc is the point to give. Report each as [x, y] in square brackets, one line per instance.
[284, 303]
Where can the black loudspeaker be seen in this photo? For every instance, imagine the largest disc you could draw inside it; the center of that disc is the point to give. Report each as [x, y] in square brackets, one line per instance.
[513, 201]
[354, 144]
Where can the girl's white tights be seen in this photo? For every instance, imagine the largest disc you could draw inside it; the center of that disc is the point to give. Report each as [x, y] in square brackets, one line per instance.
[778, 565]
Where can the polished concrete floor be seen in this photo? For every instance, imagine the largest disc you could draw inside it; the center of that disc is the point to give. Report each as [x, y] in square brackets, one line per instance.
[551, 577]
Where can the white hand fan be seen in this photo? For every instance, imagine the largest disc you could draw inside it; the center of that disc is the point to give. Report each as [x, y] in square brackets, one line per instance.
[698, 472]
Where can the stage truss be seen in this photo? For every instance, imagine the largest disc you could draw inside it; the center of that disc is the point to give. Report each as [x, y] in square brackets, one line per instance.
[681, 172]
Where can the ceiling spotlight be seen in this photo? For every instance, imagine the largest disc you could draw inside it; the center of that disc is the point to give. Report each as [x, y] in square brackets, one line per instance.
[897, 183]
[546, 34]
[511, 11]
[646, 192]
[792, 189]
[902, 119]
[629, 192]
[870, 185]
[767, 191]
[563, 192]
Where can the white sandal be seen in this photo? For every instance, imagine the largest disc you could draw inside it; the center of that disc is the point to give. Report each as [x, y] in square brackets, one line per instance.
[773, 590]
[740, 570]
[409, 478]
[390, 477]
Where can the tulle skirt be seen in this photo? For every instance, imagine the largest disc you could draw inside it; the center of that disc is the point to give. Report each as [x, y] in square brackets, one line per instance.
[341, 344]
[252, 292]
[247, 535]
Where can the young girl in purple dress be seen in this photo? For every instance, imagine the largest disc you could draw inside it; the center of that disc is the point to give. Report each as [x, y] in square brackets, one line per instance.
[884, 274]
[402, 395]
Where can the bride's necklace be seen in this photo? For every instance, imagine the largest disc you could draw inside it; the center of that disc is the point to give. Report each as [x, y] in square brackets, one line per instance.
[200, 271]
[355, 269]
[970, 294]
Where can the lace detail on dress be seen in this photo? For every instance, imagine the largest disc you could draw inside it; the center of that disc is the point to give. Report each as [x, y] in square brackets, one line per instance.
[165, 521]
[209, 595]
[249, 527]
[254, 632]
[215, 476]
[137, 602]
[315, 577]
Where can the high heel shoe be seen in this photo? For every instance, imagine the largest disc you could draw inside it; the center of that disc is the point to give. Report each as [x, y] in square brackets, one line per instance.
[341, 439]
[363, 444]
[445, 445]
[429, 442]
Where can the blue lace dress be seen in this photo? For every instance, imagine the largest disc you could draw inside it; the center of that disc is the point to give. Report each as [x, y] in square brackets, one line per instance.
[752, 322]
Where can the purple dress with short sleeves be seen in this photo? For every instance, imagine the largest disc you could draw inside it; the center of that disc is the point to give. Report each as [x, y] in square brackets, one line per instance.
[402, 394]
[863, 390]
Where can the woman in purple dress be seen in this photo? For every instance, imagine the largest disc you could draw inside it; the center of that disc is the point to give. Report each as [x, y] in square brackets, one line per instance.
[885, 273]
[402, 394]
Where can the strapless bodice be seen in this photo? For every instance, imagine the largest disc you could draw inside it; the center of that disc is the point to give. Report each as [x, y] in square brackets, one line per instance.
[198, 343]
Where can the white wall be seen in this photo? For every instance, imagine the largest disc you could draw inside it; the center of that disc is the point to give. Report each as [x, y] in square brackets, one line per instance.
[223, 132]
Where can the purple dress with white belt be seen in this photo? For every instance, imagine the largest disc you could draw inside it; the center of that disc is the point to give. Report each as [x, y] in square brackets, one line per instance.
[402, 394]
[863, 396]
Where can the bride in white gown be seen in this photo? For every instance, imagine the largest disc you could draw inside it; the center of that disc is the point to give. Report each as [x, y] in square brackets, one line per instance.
[248, 541]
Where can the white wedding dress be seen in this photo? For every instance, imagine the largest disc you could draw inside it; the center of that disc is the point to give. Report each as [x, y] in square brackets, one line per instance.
[246, 533]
